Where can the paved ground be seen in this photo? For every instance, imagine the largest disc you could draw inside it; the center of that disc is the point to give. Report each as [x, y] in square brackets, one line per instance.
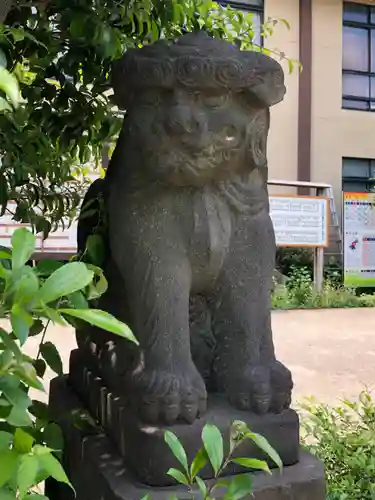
[330, 352]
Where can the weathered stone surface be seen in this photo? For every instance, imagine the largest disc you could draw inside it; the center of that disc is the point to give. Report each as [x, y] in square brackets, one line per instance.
[127, 432]
[190, 242]
[97, 471]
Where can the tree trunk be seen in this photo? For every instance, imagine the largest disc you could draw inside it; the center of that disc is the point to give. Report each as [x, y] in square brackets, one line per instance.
[5, 6]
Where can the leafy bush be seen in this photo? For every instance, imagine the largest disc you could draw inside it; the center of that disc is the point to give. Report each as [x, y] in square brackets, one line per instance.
[212, 452]
[288, 259]
[29, 299]
[299, 293]
[344, 438]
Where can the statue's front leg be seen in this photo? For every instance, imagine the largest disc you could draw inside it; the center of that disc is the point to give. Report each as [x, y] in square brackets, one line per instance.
[245, 365]
[164, 385]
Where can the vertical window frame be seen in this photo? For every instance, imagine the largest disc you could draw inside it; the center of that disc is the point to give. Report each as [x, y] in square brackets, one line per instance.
[365, 103]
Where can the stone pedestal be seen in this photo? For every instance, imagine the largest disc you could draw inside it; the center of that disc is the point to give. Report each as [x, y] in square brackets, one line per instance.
[128, 433]
[98, 471]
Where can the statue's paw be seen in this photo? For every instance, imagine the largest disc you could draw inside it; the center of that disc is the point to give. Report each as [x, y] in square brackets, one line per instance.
[282, 385]
[164, 397]
[262, 389]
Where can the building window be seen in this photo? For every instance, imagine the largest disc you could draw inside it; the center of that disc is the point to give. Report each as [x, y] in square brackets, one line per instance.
[256, 8]
[358, 62]
[358, 175]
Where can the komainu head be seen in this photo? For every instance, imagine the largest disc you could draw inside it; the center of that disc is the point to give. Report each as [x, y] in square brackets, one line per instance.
[197, 108]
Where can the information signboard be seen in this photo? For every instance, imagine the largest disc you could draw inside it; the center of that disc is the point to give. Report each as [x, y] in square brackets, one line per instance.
[359, 239]
[300, 221]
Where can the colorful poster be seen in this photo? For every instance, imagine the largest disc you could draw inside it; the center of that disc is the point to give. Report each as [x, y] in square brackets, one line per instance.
[359, 239]
[300, 221]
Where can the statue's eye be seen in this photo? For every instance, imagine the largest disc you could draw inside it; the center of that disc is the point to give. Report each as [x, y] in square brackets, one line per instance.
[215, 100]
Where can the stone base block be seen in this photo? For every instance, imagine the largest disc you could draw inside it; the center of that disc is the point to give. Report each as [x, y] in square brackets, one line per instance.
[128, 433]
[98, 472]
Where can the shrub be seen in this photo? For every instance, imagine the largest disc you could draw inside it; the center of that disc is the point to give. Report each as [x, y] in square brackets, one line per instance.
[212, 453]
[299, 293]
[344, 438]
[288, 259]
[30, 443]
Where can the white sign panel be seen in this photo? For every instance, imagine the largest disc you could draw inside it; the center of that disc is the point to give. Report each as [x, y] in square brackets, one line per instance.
[300, 221]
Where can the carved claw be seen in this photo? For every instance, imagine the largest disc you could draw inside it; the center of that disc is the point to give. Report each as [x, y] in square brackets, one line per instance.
[165, 398]
[262, 389]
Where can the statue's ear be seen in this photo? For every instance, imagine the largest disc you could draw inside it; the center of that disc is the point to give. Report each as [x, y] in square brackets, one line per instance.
[122, 95]
[264, 78]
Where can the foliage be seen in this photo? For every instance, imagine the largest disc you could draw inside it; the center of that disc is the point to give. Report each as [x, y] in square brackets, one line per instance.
[212, 452]
[344, 438]
[61, 53]
[29, 299]
[288, 258]
[299, 293]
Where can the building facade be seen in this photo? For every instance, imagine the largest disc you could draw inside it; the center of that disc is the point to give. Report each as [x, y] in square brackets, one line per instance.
[324, 131]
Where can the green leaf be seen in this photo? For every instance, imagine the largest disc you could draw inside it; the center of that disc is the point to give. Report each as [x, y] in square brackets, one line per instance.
[200, 460]
[252, 463]
[3, 59]
[53, 467]
[9, 85]
[213, 443]
[240, 486]
[9, 464]
[21, 322]
[48, 266]
[202, 486]
[23, 442]
[4, 105]
[10, 343]
[177, 449]
[7, 494]
[40, 410]
[78, 301]
[52, 357]
[6, 440]
[178, 476]
[264, 445]
[54, 316]
[36, 328]
[103, 320]
[19, 417]
[6, 360]
[23, 246]
[53, 436]
[95, 249]
[66, 280]
[35, 496]
[26, 286]
[27, 374]
[40, 367]
[27, 473]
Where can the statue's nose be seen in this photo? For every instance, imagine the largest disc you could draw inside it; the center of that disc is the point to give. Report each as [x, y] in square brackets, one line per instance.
[183, 121]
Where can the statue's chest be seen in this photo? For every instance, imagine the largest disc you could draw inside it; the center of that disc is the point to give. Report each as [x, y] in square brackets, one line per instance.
[211, 236]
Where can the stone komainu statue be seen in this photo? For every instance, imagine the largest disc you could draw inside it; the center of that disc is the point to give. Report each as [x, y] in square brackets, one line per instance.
[188, 224]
